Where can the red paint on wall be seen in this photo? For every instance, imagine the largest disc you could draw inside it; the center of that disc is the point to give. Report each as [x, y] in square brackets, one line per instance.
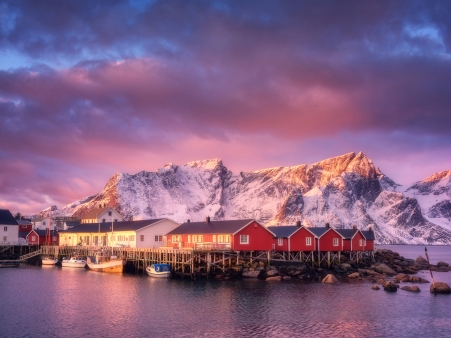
[326, 241]
[298, 240]
[259, 238]
[358, 242]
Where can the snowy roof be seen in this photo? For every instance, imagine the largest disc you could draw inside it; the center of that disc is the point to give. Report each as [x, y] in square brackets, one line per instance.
[117, 226]
[6, 218]
[368, 234]
[347, 233]
[96, 212]
[213, 227]
[283, 231]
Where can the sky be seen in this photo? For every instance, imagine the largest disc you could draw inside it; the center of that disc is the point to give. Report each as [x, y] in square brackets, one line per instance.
[91, 88]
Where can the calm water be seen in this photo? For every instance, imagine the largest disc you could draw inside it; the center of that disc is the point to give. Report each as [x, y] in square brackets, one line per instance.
[51, 301]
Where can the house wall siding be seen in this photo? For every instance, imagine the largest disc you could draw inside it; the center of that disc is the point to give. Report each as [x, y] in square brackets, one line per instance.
[326, 241]
[260, 239]
[298, 241]
[158, 229]
[11, 234]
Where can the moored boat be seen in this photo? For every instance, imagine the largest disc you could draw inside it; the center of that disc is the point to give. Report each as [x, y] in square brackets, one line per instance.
[9, 264]
[49, 261]
[74, 262]
[159, 270]
[102, 262]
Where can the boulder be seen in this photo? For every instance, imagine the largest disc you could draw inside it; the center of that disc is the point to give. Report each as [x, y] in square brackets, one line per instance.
[254, 265]
[421, 260]
[371, 272]
[286, 277]
[272, 273]
[440, 287]
[401, 276]
[375, 287]
[251, 274]
[406, 288]
[275, 278]
[390, 287]
[384, 268]
[345, 266]
[381, 281]
[330, 279]
[354, 275]
[259, 268]
[415, 289]
[362, 271]
[439, 264]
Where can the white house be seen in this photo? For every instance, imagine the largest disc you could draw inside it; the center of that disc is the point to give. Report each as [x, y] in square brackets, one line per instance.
[102, 215]
[9, 228]
[42, 223]
[135, 234]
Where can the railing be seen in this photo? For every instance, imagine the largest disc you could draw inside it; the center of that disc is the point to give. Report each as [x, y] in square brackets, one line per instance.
[31, 254]
[199, 246]
[6, 247]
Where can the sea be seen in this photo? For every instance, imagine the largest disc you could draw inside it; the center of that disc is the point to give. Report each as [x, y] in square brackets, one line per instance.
[63, 302]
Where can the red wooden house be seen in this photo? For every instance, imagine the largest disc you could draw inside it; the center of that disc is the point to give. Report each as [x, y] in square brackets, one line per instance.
[353, 239]
[328, 239]
[294, 238]
[369, 239]
[235, 235]
[43, 237]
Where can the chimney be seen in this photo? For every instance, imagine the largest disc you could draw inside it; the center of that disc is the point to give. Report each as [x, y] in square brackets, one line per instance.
[207, 220]
[188, 221]
[100, 205]
[370, 229]
[354, 227]
[104, 205]
[298, 224]
[327, 225]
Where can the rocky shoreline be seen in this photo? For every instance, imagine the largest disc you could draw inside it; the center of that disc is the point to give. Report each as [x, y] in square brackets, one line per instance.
[388, 269]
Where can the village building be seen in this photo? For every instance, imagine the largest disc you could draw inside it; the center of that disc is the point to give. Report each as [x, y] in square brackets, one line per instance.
[43, 223]
[133, 234]
[25, 227]
[353, 239]
[235, 235]
[369, 239]
[101, 215]
[9, 228]
[42, 237]
[295, 238]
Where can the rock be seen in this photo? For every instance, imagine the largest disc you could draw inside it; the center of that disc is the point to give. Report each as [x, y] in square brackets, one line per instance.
[390, 287]
[401, 276]
[375, 287]
[362, 271]
[421, 260]
[345, 266]
[354, 275]
[442, 264]
[381, 281]
[406, 288]
[294, 273]
[384, 268]
[254, 265]
[259, 268]
[271, 273]
[330, 279]
[415, 289]
[218, 277]
[440, 287]
[250, 269]
[261, 263]
[251, 274]
[371, 272]
[286, 277]
[275, 278]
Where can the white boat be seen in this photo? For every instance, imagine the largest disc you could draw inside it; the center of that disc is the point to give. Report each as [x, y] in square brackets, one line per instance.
[74, 262]
[49, 261]
[159, 270]
[103, 262]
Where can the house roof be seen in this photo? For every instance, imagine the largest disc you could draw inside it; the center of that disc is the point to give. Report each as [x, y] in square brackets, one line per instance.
[283, 231]
[43, 233]
[318, 232]
[6, 218]
[23, 233]
[96, 212]
[106, 227]
[23, 222]
[368, 234]
[347, 233]
[213, 227]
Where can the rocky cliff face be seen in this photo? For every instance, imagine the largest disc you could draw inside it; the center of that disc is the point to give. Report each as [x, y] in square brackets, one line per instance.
[342, 191]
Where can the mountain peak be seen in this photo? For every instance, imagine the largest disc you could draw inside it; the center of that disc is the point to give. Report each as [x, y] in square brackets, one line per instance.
[207, 164]
[437, 176]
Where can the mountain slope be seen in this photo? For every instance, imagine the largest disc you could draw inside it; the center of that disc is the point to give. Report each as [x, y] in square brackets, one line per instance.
[343, 191]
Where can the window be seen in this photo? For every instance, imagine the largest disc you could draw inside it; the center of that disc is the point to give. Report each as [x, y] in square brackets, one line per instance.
[103, 220]
[176, 238]
[113, 238]
[131, 238]
[24, 226]
[33, 238]
[54, 238]
[121, 238]
[5, 228]
[43, 223]
[244, 239]
[280, 241]
[141, 238]
[109, 213]
[115, 220]
[360, 242]
[5, 238]
[308, 241]
[335, 241]
[224, 238]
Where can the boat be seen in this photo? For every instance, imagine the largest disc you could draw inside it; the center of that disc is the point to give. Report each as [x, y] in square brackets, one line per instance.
[74, 262]
[9, 264]
[103, 261]
[49, 261]
[159, 270]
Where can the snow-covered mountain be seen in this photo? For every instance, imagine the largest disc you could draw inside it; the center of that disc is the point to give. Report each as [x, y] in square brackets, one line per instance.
[342, 191]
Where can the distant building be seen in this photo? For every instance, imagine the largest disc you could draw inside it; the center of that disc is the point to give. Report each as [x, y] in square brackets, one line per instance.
[25, 227]
[135, 234]
[43, 223]
[9, 228]
[101, 215]
[43, 237]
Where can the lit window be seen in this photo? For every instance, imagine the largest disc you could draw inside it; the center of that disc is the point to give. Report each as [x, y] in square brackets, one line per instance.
[131, 238]
[244, 239]
[335, 241]
[308, 240]
[280, 241]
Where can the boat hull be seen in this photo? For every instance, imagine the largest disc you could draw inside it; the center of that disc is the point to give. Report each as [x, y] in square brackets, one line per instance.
[111, 266]
[73, 263]
[47, 261]
[9, 265]
[159, 274]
